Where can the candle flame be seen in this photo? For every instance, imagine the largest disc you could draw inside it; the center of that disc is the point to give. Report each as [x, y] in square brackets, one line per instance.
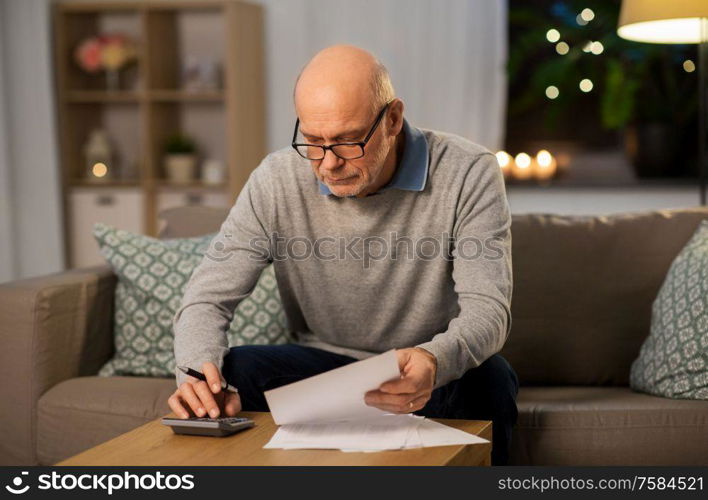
[99, 170]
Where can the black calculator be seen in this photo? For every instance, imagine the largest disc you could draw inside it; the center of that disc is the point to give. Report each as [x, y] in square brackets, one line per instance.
[217, 427]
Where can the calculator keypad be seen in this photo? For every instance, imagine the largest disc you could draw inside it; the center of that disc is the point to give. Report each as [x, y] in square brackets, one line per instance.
[226, 420]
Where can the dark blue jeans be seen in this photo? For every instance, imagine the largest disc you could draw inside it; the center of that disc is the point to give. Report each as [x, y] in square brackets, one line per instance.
[487, 392]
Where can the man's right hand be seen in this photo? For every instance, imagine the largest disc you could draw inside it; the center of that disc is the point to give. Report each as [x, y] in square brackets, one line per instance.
[196, 397]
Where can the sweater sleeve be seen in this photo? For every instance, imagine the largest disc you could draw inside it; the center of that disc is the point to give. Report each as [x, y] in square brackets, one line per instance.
[483, 280]
[226, 275]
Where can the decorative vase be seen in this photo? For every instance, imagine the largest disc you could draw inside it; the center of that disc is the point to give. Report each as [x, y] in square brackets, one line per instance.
[112, 80]
[213, 172]
[180, 168]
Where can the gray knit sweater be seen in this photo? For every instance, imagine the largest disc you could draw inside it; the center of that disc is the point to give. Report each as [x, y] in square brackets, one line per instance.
[359, 276]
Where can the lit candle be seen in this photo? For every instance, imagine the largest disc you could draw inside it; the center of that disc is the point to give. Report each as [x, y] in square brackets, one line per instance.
[504, 159]
[99, 171]
[544, 165]
[521, 169]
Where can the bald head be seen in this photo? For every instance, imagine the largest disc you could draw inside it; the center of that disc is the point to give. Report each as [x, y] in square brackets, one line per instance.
[337, 97]
[343, 75]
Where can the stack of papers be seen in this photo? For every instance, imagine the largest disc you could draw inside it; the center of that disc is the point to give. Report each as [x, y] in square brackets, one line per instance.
[327, 411]
[388, 432]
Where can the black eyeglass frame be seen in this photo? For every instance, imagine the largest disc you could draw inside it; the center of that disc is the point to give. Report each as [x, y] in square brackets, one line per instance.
[324, 149]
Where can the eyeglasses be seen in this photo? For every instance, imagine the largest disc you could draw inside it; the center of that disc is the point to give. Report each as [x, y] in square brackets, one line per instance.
[343, 150]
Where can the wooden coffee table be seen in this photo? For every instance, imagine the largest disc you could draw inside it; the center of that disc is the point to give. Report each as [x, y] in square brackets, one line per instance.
[155, 444]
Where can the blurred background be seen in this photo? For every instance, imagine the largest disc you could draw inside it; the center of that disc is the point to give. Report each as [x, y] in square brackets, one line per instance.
[114, 111]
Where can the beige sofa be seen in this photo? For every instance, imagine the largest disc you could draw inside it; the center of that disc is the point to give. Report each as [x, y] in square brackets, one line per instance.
[583, 289]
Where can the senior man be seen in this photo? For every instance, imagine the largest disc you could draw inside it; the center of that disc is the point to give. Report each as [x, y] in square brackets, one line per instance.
[383, 236]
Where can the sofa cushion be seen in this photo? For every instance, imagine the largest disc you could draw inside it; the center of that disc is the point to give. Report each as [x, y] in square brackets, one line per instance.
[152, 275]
[607, 426]
[83, 412]
[673, 361]
[583, 290]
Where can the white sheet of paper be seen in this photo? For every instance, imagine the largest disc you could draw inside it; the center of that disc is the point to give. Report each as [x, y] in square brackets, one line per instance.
[386, 432]
[334, 395]
[433, 433]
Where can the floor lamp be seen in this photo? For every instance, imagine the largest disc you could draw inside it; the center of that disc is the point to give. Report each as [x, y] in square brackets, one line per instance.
[674, 21]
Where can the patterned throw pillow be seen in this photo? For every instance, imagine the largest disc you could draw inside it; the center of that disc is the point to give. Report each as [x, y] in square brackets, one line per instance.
[673, 362]
[152, 275]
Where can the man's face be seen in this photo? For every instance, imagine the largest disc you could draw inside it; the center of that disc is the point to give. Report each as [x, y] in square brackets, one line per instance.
[346, 177]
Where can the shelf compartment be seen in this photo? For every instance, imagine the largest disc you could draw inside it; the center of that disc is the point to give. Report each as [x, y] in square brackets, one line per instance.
[203, 122]
[122, 123]
[174, 35]
[81, 23]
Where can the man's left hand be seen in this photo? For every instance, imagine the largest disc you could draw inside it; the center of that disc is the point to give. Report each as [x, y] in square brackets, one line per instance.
[410, 392]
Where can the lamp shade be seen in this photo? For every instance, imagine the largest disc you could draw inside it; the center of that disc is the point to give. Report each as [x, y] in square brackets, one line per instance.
[663, 21]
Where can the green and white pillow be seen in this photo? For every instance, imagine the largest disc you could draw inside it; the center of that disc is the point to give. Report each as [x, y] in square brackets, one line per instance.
[152, 275]
[673, 362]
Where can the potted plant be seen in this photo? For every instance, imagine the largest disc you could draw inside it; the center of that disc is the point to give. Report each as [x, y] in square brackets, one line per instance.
[639, 89]
[180, 159]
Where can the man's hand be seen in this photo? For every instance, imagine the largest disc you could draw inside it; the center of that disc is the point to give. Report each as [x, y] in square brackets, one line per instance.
[410, 392]
[201, 397]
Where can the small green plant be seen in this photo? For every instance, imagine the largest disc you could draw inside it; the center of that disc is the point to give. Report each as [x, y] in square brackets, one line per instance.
[180, 144]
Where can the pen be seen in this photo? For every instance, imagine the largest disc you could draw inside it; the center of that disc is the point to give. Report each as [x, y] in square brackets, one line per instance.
[194, 373]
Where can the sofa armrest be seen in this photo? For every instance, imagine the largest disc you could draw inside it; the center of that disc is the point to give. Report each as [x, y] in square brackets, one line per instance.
[52, 328]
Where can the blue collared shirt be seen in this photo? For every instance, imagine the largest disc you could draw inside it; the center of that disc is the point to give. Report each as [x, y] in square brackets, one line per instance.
[412, 171]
